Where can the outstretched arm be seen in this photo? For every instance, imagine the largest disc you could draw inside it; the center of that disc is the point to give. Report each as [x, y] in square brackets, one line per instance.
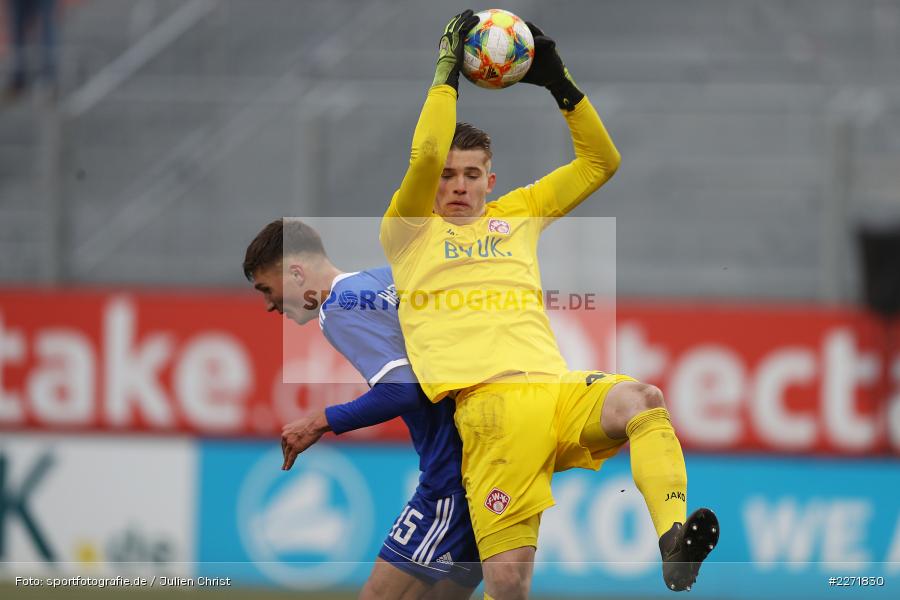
[381, 403]
[434, 131]
[596, 157]
[430, 145]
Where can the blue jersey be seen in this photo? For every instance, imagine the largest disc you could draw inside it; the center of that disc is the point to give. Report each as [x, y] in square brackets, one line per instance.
[359, 319]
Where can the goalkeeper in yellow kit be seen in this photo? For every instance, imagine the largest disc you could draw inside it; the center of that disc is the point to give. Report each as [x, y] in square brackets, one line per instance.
[520, 412]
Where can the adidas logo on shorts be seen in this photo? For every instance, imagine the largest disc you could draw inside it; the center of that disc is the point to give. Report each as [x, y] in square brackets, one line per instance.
[445, 558]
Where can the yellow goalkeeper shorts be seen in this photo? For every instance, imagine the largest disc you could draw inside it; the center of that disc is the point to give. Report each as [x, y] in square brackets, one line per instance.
[516, 432]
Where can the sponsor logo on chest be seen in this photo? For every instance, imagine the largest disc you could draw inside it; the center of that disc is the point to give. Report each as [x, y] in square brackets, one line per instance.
[487, 247]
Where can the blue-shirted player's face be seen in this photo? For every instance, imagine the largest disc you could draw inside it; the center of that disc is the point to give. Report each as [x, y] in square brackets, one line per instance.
[283, 292]
[465, 183]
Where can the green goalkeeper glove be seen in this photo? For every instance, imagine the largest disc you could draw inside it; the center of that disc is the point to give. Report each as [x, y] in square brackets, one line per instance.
[450, 53]
[547, 70]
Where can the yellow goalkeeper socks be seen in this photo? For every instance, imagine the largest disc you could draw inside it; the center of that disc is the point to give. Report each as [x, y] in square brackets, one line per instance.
[657, 466]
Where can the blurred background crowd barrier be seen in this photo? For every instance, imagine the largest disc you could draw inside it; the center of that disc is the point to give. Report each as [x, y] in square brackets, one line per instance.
[757, 215]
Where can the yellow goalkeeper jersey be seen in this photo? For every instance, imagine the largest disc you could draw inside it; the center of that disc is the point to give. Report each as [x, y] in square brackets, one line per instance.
[471, 298]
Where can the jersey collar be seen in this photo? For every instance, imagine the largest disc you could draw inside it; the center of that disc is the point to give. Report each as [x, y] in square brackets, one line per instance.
[337, 279]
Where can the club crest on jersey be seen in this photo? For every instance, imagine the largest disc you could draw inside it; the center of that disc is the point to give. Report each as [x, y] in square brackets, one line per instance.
[497, 501]
[498, 226]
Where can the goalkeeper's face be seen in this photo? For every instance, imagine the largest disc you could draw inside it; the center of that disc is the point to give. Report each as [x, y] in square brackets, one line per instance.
[465, 183]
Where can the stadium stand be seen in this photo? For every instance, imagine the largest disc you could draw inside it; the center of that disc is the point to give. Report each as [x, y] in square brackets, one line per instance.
[755, 135]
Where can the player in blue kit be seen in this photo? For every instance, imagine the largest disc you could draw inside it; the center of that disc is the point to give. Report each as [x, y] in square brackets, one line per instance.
[430, 551]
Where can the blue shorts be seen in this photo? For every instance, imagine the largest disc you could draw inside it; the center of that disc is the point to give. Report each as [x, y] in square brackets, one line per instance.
[433, 540]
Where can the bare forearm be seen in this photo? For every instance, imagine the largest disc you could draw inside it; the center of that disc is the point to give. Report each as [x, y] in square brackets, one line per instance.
[320, 423]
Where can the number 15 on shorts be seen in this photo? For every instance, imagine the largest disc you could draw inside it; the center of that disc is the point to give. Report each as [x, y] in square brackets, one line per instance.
[400, 534]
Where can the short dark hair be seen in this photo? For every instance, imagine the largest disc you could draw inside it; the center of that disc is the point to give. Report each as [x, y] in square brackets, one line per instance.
[469, 137]
[278, 238]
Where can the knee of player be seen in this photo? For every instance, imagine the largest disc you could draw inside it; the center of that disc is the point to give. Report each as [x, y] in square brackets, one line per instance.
[377, 588]
[509, 583]
[646, 397]
[640, 398]
[372, 590]
[626, 401]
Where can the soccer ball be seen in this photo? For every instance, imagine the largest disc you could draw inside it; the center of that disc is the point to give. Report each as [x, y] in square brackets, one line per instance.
[498, 51]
